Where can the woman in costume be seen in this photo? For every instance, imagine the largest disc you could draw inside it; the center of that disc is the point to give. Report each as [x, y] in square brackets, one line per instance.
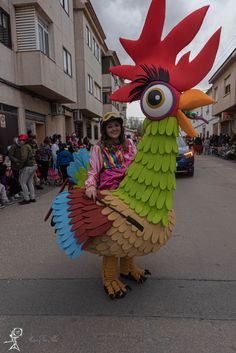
[110, 157]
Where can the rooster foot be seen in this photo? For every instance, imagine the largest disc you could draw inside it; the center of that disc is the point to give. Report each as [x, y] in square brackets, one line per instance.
[132, 272]
[115, 289]
[112, 286]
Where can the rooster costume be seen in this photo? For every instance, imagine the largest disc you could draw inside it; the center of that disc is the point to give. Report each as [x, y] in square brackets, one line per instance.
[111, 226]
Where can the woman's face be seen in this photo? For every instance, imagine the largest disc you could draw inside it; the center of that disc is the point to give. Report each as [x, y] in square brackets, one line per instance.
[113, 130]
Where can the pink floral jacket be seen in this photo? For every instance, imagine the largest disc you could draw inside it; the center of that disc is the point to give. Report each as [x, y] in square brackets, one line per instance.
[107, 168]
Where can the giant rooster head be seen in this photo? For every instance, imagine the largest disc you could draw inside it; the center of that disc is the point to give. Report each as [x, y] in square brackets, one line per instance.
[162, 85]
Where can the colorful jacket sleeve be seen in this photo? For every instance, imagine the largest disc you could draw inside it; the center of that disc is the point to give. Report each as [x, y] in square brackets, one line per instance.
[96, 165]
[130, 154]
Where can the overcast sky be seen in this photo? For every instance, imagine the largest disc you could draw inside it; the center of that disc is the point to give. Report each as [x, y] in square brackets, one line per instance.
[125, 18]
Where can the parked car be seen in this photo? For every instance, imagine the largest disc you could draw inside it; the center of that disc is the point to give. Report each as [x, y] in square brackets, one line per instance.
[185, 158]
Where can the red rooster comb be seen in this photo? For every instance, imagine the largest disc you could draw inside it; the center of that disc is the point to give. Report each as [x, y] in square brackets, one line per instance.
[150, 51]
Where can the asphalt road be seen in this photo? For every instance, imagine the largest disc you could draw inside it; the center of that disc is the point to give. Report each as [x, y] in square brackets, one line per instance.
[188, 305]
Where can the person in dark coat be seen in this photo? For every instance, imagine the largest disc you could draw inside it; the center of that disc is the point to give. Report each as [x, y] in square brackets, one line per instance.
[14, 155]
[64, 157]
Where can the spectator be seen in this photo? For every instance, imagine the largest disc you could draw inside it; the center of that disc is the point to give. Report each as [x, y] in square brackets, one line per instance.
[44, 156]
[3, 169]
[14, 156]
[87, 143]
[206, 146]
[54, 150]
[73, 141]
[33, 143]
[3, 183]
[28, 168]
[4, 201]
[64, 157]
[198, 145]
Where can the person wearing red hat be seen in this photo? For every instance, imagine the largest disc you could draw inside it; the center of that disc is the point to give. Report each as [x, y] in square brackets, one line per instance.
[28, 167]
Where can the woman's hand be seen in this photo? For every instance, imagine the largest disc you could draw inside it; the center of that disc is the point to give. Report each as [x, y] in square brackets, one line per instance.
[91, 192]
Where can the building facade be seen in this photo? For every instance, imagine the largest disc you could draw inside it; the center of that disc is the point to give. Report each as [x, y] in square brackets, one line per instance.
[51, 70]
[94, 81]
[110, 84]
[37, 69]
[224, 93]
[213, 126]
[89, 48]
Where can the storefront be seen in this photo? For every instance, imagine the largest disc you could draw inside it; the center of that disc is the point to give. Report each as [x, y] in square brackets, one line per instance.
[8, 126]
[37, 124]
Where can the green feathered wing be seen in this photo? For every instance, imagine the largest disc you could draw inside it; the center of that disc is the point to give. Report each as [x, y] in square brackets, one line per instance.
[150, 180]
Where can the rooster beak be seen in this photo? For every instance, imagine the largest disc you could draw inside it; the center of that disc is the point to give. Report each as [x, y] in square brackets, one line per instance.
[194, 98]
[189, 100]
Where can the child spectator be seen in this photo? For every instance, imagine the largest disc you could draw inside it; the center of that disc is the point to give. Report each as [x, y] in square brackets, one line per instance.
[64, 157]
[4, 201]
[3, 183]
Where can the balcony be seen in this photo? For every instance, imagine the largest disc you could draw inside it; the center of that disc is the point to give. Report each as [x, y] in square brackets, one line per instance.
[41, 75]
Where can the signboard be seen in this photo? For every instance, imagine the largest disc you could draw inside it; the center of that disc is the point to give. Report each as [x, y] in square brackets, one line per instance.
[3, 123]
[226, 116]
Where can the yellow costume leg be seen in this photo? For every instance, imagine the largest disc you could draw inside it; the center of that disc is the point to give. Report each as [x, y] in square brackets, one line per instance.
[113, 287]
[130, 271]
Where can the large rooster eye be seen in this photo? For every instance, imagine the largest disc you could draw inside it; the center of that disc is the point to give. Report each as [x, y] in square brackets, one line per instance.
[158, 101]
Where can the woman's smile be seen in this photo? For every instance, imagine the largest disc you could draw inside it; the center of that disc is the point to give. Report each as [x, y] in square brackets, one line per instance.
[113, 130]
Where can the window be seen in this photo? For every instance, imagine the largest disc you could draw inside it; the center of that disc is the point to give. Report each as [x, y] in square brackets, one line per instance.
[106, 65]
[216, 94]
[88, 37]
[90, 84]
[67, 62]
[98, 92]
[96, 132]
[106, 98]
[89, 129]
[94, 46]
[65, 5]
[97, 52]
[43, 37]
[5, 34]
[227, 84]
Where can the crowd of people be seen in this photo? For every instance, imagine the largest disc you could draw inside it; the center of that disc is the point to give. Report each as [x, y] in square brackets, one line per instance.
[28, 166]
[219, 145]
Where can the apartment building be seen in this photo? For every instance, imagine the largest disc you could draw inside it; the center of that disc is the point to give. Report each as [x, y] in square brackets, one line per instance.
[94, 82]
[111, 83]
[37, 68]
[213, 126]
[89, 48]
[224, 93]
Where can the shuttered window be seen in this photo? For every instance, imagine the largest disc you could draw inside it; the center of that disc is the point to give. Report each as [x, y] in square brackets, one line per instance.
[26, 28]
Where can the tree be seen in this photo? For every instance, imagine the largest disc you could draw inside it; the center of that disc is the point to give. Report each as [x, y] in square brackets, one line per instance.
[135, 124]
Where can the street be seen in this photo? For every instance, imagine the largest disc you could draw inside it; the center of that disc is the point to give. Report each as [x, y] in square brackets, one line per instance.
[187, 306]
